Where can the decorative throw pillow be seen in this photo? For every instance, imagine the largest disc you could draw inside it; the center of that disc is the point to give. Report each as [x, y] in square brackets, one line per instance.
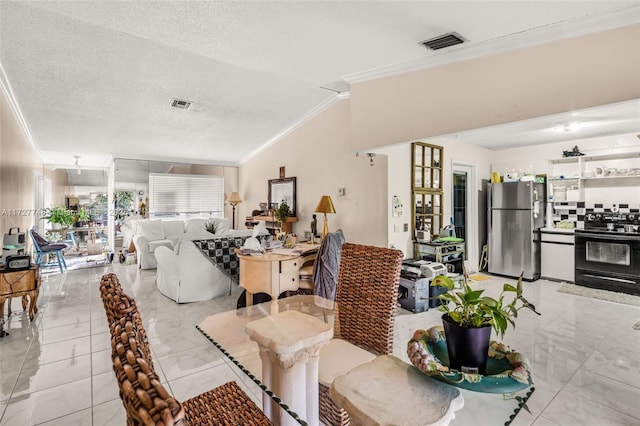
[173, 229]
[151, 230]
[222, 224]
[194, 225]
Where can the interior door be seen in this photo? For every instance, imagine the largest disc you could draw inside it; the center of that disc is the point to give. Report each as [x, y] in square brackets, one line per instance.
[465, 210]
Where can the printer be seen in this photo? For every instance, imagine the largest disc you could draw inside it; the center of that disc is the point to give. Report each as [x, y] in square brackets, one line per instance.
[416, 293]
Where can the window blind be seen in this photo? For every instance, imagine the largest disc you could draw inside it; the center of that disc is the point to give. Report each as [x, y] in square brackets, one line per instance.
[185, 195]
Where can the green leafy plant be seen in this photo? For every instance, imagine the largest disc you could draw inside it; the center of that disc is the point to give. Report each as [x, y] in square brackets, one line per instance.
[469, 308]
[123, 204]
[282, 212]
[211, 226]
[59, 215]
[82, 215]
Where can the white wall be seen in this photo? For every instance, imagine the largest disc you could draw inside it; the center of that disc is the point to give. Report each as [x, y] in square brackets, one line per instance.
[399, 182]
[382, 113]
[319, 155]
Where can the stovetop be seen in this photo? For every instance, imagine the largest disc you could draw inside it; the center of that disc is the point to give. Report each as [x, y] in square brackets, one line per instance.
[604, 231]
[612, 223]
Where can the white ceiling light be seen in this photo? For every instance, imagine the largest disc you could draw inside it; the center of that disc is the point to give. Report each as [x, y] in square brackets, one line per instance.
[77, 163]
[569, 127]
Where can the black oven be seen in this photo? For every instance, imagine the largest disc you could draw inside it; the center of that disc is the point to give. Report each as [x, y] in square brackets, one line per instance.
[608, 260]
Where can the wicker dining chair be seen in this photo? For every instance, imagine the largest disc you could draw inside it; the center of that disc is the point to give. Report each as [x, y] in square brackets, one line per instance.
[119, 307]
[366, 293]
[147, 402]
[113, 297]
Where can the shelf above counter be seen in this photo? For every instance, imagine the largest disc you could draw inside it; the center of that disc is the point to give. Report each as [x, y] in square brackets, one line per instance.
[598, 157]
[604, 178]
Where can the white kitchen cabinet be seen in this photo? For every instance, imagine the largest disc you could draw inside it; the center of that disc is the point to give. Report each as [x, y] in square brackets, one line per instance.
[557, 254]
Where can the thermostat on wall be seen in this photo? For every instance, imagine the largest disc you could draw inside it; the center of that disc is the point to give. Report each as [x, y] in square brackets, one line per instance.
[396, 210]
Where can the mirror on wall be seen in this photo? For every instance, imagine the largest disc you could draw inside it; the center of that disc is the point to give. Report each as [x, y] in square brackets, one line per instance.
[427, 196]
[283, 189]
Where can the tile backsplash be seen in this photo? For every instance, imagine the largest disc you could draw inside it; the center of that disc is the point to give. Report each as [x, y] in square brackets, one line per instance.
[574, 211]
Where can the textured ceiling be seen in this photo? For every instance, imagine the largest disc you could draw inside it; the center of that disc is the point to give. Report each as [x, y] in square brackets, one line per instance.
[96, 78]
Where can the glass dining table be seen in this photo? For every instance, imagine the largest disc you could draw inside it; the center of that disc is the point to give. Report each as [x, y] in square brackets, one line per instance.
[227, 331]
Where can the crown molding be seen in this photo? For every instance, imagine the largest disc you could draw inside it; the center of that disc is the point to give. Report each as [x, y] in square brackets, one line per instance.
[299, 122]
[5, 86]
[567, 29]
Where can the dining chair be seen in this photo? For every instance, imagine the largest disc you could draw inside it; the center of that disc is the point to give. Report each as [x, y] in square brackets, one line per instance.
[147, 402]
[120, 307]
[305, 273]
[366, 296]
[44, 248]
[145, 399]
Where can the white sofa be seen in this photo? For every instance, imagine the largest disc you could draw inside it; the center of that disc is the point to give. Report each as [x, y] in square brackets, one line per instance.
[128, 229]
[186, 274]
[151, 234]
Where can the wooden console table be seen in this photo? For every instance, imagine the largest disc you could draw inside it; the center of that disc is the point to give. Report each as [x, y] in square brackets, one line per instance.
[271, 223]
[25, 284]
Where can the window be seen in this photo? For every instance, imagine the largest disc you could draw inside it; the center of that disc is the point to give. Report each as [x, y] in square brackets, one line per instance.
[426, 185]
[185, 195]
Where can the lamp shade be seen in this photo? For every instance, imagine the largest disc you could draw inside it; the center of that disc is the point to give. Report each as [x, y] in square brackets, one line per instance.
[234, 198]
[325, 205]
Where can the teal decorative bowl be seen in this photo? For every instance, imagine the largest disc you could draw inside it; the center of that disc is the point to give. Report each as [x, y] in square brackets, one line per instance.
[507, 371]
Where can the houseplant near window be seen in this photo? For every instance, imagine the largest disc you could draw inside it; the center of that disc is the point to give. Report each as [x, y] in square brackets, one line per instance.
[59, 217]
[82, 217]
[469, 317]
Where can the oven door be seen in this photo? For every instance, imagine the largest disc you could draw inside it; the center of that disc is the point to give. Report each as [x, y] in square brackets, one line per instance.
[610, 261]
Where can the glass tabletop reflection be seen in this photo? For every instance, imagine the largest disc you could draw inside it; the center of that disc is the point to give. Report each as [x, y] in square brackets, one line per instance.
[226, 331]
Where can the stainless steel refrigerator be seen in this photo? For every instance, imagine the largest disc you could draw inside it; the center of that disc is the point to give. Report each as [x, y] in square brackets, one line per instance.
[515, 215]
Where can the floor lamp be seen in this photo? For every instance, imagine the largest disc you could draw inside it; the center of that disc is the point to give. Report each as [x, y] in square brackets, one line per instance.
[234, 199]
[325, 206]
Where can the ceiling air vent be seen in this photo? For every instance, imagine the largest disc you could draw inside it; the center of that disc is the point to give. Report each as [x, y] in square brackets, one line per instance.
[443, 41]
[177, 103]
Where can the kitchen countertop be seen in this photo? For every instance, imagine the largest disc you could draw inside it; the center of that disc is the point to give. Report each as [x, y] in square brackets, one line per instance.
[558, 230]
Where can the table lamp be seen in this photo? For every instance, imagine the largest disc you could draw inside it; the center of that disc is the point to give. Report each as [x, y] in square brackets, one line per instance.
[234, 199]
[325, 206]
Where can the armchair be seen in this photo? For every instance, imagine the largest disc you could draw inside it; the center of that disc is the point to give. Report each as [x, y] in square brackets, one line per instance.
[187, 276]
[44, 248]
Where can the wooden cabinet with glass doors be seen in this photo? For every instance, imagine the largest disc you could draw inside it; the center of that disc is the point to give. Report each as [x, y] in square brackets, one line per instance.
[426, 187]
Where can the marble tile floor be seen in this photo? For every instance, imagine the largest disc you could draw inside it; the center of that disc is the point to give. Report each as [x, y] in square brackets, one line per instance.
[57, 369]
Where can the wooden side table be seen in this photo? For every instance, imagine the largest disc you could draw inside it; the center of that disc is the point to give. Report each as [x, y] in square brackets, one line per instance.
[25, 284]
[271, 222]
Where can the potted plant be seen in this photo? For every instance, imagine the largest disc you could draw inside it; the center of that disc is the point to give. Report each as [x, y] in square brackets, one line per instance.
[281, 214]
[469, 317]
[82, 217]
[59, 217]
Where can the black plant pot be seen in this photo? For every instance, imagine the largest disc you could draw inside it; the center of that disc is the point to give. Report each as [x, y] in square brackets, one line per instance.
[468, 347]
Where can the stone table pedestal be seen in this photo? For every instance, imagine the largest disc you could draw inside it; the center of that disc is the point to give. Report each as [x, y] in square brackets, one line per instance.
[290, 343]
